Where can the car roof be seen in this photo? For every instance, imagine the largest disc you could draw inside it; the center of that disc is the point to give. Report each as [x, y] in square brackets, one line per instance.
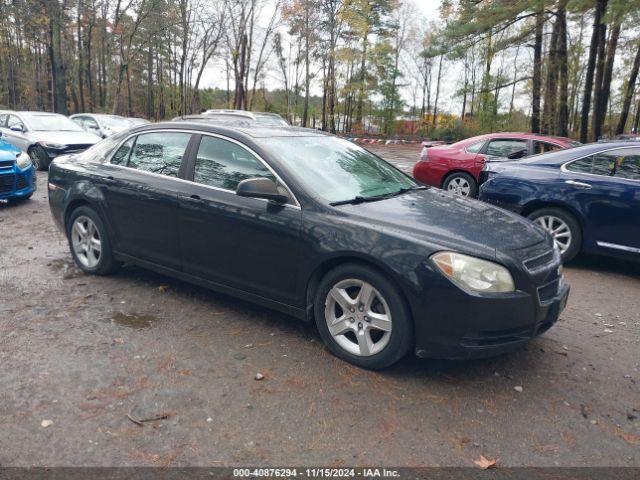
[236, 129]
[561, 156]
[522, 135]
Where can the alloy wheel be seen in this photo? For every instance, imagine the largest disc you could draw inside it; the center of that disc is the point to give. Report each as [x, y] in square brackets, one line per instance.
[358, 317]
[85, 239]
[35, 159]
[459, 186]
[558, 229]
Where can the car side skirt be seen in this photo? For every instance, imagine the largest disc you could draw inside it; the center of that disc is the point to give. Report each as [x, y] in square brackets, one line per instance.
[299, 313]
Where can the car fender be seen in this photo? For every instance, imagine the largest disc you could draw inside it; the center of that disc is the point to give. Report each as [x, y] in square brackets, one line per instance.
[83, 192]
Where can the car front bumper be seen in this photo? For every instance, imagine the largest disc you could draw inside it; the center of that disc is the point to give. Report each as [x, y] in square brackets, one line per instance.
[16, 183]
[475, 327]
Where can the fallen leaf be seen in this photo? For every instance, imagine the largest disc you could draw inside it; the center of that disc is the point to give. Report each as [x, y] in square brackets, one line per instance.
[485, 463]
[163, 288]
[46, 423]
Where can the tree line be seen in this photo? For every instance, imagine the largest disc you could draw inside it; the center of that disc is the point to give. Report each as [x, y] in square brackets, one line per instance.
[564, 67]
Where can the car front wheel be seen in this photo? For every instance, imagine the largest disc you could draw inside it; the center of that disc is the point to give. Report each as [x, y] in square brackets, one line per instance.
[362, 318]
[461, 184]
[39, 158]
[564, 229]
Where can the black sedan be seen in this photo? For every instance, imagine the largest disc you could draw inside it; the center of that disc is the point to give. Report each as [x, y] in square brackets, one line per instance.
[318, 228]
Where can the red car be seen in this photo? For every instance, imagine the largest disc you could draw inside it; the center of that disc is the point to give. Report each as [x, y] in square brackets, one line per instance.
[457, 167]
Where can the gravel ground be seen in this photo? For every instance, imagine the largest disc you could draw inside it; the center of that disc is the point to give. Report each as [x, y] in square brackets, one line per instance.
[80, 355]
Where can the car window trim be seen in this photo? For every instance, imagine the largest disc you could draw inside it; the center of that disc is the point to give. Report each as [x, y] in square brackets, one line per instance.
[564, 169]
[191, 158]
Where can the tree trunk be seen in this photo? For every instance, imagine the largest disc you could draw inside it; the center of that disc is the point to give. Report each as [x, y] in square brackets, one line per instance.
[435, 104]
[562, 123]
[628, 95]
[608, 73]
[537, 71]
[601, 6]
[551, 90]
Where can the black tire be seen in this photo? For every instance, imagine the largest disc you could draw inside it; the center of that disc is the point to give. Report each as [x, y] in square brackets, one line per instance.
[39, 158]
[462, 176]
[401, 335]
[106, 263]
[575, 244]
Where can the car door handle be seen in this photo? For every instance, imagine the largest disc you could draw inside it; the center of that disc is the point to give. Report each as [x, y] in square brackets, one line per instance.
[195, 197]
[109, 180]
[577, 184]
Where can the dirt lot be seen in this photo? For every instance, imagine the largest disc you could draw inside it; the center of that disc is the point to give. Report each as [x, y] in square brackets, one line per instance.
[84, 352]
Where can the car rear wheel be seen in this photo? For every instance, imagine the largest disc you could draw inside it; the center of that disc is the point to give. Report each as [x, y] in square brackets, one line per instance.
[564, 229]
[89, 242]
[39, 158]
[461, 184]
[362, 318]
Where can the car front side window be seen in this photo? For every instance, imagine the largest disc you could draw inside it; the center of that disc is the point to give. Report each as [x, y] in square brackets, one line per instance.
[223, 164]
[622, 163]
[14, 121]
[159, 152]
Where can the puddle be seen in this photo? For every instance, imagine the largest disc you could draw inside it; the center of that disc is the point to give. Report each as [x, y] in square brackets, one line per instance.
[137, 322]
[65, 266]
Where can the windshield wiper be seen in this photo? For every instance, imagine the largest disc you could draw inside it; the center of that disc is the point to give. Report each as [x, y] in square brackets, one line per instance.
[360, 199]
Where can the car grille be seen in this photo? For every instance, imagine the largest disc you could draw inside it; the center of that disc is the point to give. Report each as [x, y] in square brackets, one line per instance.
[539, 261]
[21, 182]
[6, 183]
[547, 292]
[6, 164]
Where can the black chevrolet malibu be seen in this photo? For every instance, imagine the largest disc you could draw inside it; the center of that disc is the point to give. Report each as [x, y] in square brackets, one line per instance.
[316, 227]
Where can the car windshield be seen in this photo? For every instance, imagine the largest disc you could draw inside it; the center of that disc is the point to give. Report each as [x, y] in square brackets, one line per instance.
[114, 121]
[51, 123]
[337, 170]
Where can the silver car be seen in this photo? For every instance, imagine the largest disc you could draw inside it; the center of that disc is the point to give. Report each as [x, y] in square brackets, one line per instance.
[101, 124]
[44, 136]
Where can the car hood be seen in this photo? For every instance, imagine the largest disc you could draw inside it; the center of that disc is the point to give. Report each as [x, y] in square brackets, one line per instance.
[65, 137]
[8, 151]
[450, 221]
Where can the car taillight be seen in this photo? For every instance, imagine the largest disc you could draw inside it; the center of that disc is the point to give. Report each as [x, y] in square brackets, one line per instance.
[424, 154]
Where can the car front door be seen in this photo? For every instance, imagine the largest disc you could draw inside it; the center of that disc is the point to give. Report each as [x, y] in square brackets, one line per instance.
[606, 186]
[141, 183]
[245, 243]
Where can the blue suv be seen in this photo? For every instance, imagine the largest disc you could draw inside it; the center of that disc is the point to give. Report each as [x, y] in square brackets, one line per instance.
[17, 174]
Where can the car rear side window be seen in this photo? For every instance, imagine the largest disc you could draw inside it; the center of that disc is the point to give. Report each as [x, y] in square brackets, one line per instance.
[544, 147]
[505, 147]
[475, 148]
[159, 152]
[223, 164]
[121, 157]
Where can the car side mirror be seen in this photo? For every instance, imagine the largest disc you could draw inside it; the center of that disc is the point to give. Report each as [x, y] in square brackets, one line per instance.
[17, 128]
[517, 154]
[261, 188]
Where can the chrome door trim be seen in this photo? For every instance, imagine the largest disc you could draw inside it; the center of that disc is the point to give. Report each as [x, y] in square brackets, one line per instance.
[618, 247]
[191, 182]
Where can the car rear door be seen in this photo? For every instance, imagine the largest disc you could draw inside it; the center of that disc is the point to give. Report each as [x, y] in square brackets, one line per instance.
[606, 186]
[245, 243]
[141, 183]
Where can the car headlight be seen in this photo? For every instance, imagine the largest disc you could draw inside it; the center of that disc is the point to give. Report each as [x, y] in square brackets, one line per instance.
[475, 274]
[23, 161]
[53, 145]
